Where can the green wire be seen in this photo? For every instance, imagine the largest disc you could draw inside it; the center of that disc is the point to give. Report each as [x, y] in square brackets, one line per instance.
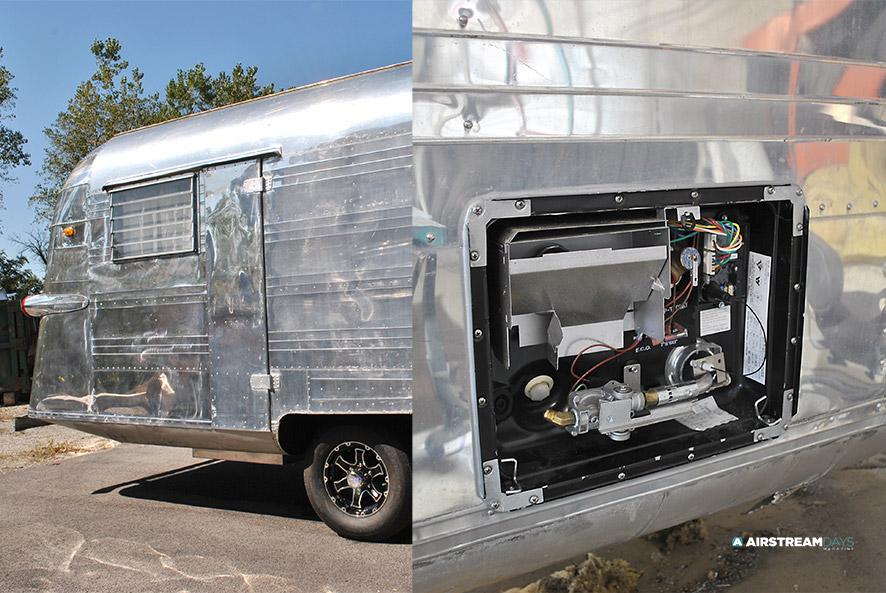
[692, 234]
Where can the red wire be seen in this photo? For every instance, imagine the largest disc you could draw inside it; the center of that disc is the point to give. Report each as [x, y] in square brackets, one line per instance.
[577, 356]
[679, 296]
[599, 364]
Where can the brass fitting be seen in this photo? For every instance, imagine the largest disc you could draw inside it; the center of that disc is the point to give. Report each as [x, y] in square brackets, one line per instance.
[651, 398]
[560, 418]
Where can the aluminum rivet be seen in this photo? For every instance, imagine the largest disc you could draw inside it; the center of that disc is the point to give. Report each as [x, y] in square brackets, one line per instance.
[487, 469]
[619, 199]
[797, 287]
[622, 476]
[876, 203]
[533, 499]
[799, 192]
[821, 206]
[496, 505]
[849, 206]
[430, 237]
[760, 437]
[481, 401]
[799, 226]
[469, 124]
[785, 427]
[462, 20]
[790, 396]
[475, 255]
[477, 210]
[693, 194]
[691, 456]
[794, 340]
[478, 334]
[519, 204]
[770, 190]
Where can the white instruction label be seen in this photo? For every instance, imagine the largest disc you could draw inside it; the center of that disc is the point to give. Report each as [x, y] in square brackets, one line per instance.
[706, 414]
[714, 321]
[759, 277]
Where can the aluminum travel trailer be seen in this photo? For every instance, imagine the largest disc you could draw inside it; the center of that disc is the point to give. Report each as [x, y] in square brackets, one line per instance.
[239, 282]
[657, 277]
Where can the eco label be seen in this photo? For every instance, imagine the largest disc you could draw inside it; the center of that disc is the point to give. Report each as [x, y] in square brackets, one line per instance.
[714, 321]
[759, 277]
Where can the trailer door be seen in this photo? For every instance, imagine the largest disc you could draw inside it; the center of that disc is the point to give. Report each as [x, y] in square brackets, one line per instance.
[238, 363]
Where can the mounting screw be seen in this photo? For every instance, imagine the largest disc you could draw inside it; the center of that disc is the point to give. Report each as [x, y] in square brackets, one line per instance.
[797, 287]
[496, 505]
[794, 340]
[430, 237]
[477, 210]
[478, 334]
[790, 396]
[481, 401]
[593, 420]
[487, 469]
[622, 476]
[533, 499]
[608, 418]
[821, 207]
[876, 203]
[799, 226]
[760, 437]
[770, 190]
[619, 199]
[475, 255]
[785, 427]
[468, 124]
[693, 194]
[799, 192]
[519, 204]
[462, 20]
[849, 206]
[691, 456]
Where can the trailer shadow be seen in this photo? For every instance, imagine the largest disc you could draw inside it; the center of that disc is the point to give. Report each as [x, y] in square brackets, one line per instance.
[226, 485]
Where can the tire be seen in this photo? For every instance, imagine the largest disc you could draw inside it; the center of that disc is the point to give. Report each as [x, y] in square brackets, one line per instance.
[359, 482]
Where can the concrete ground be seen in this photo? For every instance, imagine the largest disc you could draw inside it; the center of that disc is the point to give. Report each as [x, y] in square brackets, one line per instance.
[140, 518]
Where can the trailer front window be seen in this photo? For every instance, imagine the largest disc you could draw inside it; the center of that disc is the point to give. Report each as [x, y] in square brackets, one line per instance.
[150, 220]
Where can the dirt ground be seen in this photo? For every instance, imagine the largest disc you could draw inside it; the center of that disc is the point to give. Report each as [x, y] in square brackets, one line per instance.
[698, 557]
[40, 444]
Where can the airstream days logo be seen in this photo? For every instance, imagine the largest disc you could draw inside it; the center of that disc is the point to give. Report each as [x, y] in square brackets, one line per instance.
[827, 543]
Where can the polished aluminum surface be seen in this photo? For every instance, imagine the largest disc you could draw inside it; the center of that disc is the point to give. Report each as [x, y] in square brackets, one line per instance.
[531, 98]
[300, 270]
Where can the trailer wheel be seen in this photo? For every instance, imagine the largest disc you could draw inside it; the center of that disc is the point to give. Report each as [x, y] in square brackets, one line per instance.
[359, 482]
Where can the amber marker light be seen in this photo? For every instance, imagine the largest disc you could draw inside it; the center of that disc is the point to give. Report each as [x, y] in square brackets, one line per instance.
[69, 232]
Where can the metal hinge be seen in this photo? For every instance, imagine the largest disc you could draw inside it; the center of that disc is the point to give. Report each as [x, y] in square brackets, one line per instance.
[265, 382]
[257, 184]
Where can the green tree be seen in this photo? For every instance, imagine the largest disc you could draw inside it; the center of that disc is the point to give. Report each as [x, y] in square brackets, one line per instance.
[114, 101]
[12, 143]
[110, 102]
[15, 278]
[192, 91]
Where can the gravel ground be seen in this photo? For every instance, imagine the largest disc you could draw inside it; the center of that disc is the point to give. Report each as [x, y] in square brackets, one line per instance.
[40, 443]
[698, 557]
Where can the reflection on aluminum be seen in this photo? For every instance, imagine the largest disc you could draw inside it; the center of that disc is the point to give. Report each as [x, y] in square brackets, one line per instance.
[530, 98]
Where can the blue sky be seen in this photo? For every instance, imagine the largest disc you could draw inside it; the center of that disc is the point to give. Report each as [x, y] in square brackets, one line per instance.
[293, 42]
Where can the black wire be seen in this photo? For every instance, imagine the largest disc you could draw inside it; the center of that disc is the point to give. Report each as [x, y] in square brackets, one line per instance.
[765, 343]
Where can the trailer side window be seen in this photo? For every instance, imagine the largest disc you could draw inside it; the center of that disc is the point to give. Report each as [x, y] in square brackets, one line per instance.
[154, 219]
